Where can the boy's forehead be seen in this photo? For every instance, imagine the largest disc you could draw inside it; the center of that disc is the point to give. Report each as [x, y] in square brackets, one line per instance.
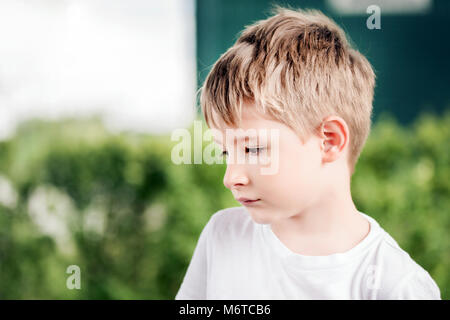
[238, 134]
[253, 125]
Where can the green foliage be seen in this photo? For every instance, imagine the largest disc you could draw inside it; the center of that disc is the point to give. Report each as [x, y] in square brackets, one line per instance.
[120, 209]
[402, 180]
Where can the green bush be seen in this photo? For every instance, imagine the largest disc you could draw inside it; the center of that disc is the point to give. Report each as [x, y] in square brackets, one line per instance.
[116, 206]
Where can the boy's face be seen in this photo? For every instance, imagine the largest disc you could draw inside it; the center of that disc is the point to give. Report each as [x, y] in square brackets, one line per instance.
[295, 183]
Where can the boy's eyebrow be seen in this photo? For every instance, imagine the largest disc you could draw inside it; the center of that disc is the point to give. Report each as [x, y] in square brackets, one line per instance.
[238, 138]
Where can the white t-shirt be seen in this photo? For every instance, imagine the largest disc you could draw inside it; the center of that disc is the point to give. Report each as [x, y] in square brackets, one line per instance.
[237, 258]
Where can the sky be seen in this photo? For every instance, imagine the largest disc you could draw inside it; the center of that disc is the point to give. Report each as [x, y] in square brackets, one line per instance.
[132, 61]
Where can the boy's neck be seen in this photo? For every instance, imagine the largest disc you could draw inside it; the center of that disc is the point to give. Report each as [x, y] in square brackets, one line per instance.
[333, 225]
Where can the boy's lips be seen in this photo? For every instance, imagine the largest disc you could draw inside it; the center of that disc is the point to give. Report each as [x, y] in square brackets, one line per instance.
[246, 201]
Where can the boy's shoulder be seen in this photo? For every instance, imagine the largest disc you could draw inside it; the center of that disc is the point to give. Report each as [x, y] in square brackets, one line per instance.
[230, 214]
[398, 272]
[399, 275]
[385, 251]
[231, 221]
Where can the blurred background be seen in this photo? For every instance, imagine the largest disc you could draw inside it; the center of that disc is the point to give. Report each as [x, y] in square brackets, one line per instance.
[91, 91]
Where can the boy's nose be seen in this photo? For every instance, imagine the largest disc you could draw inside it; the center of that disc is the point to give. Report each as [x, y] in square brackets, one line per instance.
[235, 175]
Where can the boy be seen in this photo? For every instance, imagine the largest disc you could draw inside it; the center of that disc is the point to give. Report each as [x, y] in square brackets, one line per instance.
[298, 234]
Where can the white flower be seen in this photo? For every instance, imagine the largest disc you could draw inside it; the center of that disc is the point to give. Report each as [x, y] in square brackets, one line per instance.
[52, 210]
[8, 195]
[94, 220]
[155, 216]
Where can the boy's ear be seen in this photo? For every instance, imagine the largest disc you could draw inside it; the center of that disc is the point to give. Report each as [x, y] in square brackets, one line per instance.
[334, 136]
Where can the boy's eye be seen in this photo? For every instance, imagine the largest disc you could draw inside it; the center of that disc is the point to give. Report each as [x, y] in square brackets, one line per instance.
[255, 150]
[224, 153]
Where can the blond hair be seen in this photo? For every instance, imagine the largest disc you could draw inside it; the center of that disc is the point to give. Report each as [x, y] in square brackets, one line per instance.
[298, 67]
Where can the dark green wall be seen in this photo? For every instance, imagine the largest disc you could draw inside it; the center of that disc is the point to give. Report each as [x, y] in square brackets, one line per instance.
[410, 54]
